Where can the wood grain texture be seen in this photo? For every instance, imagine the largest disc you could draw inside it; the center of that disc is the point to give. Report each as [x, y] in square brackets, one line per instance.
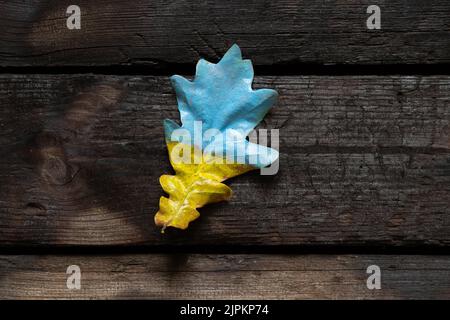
[285, 32]
[365, 160]
[218, 276]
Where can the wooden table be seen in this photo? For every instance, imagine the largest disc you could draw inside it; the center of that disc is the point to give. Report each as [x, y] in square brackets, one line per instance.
[364, 120]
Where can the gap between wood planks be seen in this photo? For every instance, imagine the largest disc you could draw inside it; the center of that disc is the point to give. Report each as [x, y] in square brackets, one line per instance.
[225, 249]
[164, 69]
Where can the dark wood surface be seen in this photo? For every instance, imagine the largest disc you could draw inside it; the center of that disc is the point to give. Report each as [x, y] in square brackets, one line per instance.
[225, 277]
[364, 120]
[365, 160]
[272, 33]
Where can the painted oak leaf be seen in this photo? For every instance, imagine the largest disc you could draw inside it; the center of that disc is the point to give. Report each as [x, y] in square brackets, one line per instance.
[221, 107]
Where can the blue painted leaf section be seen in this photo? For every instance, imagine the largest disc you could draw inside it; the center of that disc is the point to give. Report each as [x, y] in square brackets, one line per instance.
[222, 98]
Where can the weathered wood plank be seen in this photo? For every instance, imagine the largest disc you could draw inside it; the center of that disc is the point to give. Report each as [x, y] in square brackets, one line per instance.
[159, 32]
[225, 277]
[365, 161]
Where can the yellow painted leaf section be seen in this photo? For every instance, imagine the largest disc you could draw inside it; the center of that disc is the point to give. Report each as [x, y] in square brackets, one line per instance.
[197, 182]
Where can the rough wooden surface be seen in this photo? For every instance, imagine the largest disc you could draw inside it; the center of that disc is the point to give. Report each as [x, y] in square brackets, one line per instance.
[160, 32]
[225, 277]
[365, 161]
